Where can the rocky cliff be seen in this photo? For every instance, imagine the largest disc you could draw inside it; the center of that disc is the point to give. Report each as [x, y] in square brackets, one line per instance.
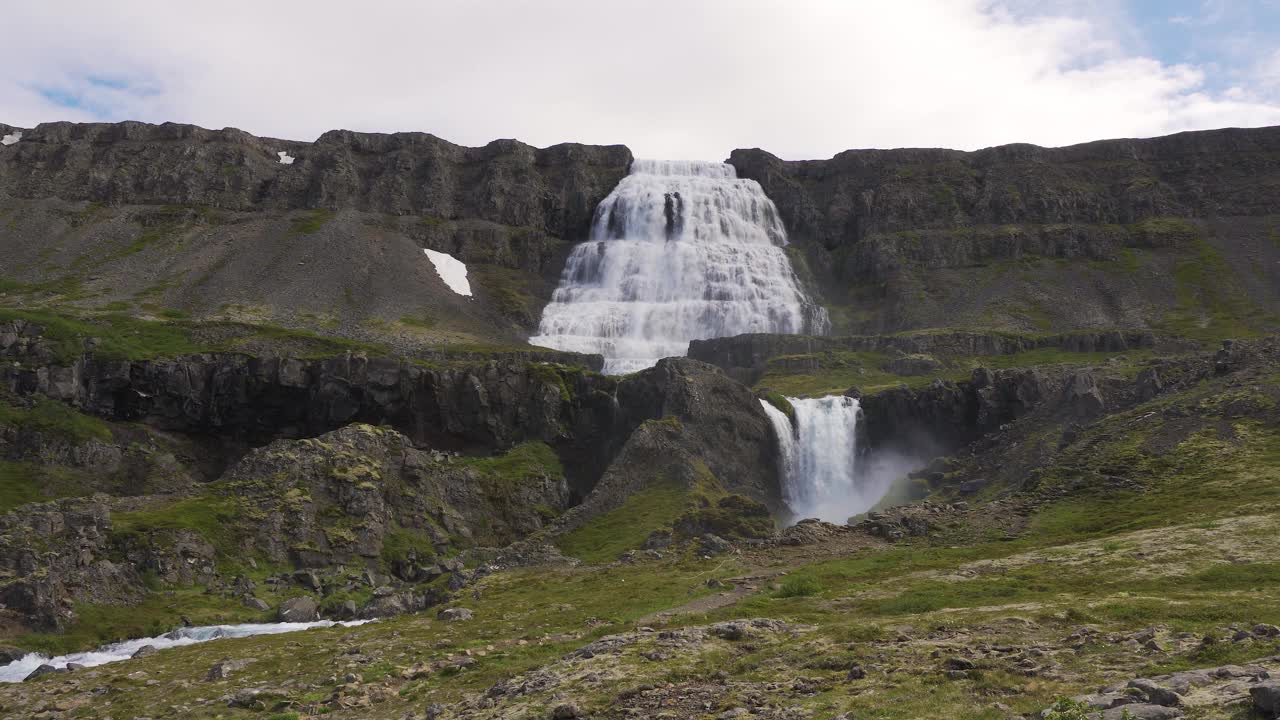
[918, 238]
[212, 223]
[552, 190]
[746, 357]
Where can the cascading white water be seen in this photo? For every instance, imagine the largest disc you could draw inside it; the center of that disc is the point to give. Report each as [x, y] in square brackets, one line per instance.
[818, 459]
[678, 251]
[18, 670]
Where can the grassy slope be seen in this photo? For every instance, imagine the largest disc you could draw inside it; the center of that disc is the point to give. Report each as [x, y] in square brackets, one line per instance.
[840, 370]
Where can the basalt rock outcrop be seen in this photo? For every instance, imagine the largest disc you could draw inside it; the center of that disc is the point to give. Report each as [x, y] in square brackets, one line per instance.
[915, 238]
[746, 357]
[552, 190]
[945, 416]
[858, 193]
[331, 241]
[338, 497]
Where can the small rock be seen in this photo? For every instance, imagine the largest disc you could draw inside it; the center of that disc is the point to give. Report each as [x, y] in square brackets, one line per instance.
[144, 651]
[856, 673]
[1142, 712]
[958, 663]
[223, 669]
[455, 614]
[565, 711]
[254, 603]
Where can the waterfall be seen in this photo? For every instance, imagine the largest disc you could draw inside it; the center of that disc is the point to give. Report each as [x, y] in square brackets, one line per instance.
[18, 670]
[678, 251]
[818, 459]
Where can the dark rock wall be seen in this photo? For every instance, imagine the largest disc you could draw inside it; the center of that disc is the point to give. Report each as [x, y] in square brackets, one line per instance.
[745, 357]
[553, 190]
[1231, 172]
[997, 238]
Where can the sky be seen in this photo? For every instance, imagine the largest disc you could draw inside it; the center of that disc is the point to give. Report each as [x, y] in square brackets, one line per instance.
[678, 79]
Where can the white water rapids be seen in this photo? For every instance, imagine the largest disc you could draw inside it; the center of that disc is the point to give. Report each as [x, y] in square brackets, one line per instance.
[818, 459]
[18, 671]
[678, 251]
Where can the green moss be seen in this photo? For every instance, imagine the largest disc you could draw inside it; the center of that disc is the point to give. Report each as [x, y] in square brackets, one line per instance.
[1160, 231]
[554, 375]
[605, 537]
[22, 483]
[310, 223]
[731, 516]
[779, 401]
[400, 543]
[423, 321]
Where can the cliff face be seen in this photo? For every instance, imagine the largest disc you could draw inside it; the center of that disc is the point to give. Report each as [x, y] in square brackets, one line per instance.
[873, 222]
[554, 190]
[116, 213]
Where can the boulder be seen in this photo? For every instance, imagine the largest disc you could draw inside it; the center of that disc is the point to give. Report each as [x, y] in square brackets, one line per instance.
[43, 670]
[1266, 698]
[455, 615]
[299, 609]
[1155, 693]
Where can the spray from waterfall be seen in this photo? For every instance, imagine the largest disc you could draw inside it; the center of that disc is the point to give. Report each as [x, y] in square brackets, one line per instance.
[678, 251]
[822, 475]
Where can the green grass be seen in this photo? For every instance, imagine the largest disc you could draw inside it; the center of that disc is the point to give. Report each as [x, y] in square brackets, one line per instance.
[22, 483]
[530, 460]
[51, 417]
[508, 290]
[424, 321]
[610, 534]
[1209, 307]
[310, 223]
[120, 337]
[158, 613]
[215, 518]
[840, 370]
[798, 586]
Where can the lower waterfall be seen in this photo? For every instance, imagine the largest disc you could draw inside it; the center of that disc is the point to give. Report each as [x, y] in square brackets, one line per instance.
[818, 459]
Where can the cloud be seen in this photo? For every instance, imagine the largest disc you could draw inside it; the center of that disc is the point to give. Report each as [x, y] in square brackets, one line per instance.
[670, 79]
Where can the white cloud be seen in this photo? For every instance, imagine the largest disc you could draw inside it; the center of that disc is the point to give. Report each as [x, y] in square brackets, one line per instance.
[668, 78]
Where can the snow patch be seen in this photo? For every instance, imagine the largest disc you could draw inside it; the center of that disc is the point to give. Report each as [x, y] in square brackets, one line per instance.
[286, 158]
[451, 270]
[11, 139]
[18, 670]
